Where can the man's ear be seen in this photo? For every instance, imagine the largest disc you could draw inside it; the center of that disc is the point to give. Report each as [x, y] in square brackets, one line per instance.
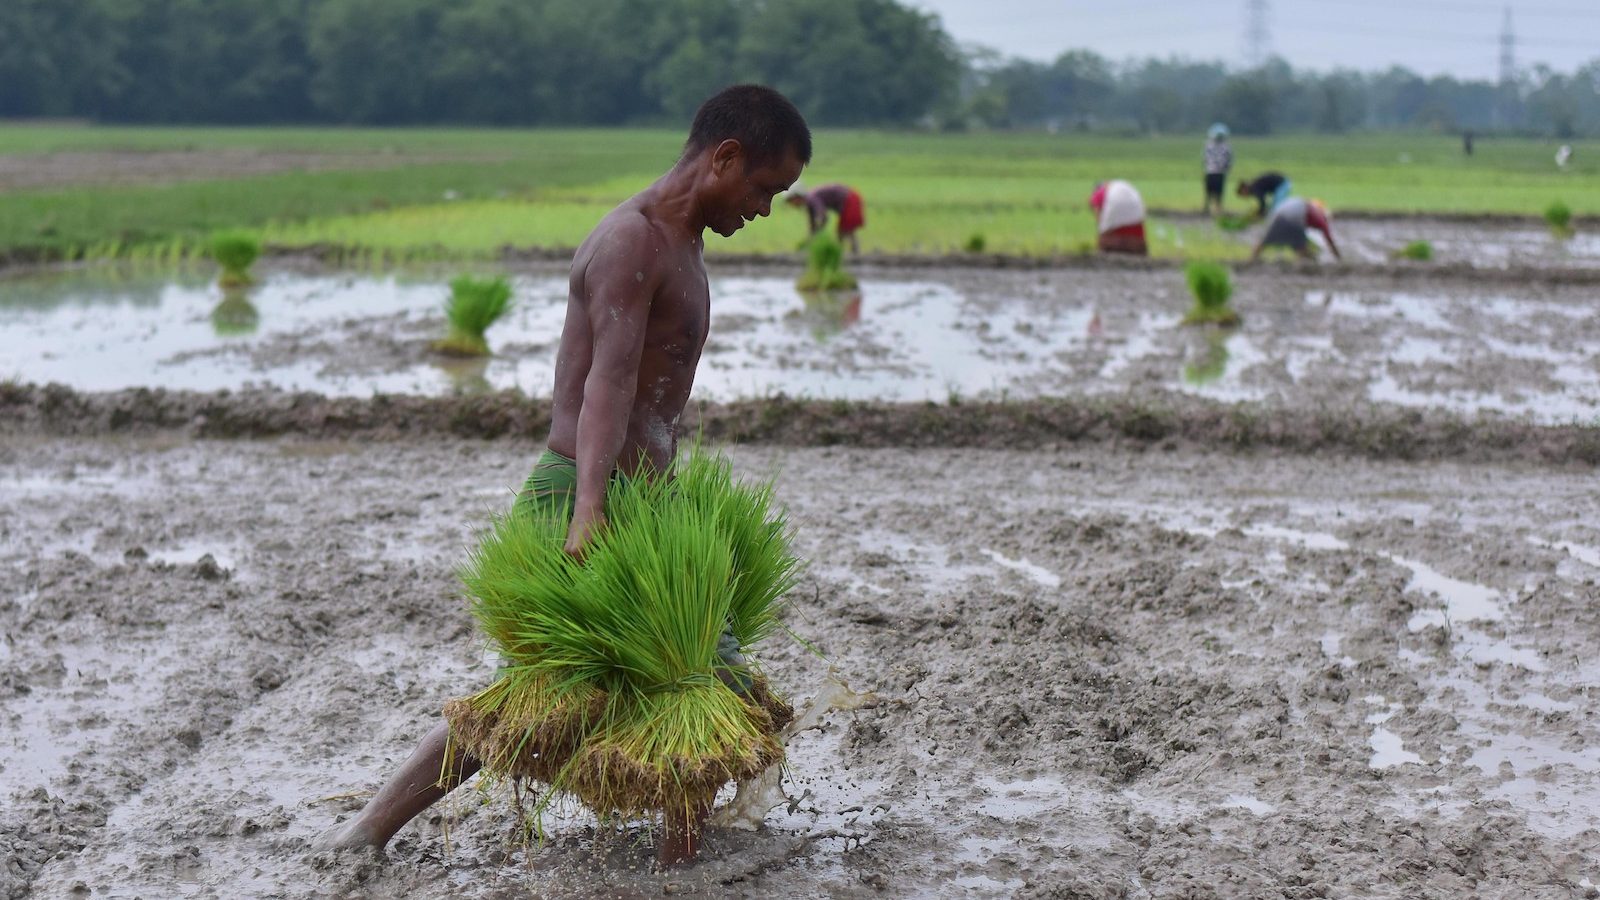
[726, 155]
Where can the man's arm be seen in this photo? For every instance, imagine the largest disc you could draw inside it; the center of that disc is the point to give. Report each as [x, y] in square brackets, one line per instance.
[618, 287]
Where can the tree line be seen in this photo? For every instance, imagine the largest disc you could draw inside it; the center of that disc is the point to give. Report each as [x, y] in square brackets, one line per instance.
[1082, 89]
[613, 62]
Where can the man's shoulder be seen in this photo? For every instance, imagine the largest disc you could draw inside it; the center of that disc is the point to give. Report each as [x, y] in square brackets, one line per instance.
[626, 231]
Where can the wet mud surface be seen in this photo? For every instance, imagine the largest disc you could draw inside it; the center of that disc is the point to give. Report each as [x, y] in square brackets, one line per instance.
[1077, 672]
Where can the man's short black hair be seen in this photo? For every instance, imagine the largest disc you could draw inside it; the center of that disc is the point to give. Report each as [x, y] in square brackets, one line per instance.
[762, 120]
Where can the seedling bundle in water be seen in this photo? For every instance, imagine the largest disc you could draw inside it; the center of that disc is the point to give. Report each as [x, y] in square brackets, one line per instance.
[1558, 216]
[825, 266]
[474, 305]
[612, 688]
[235, 252]
[1422, 251]
[1212, 288]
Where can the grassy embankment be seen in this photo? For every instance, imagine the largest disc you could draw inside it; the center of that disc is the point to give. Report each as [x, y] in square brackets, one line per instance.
[1023, 193]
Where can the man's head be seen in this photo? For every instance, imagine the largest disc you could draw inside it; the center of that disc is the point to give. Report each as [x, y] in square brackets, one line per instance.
[1243, 189]
[752, 144]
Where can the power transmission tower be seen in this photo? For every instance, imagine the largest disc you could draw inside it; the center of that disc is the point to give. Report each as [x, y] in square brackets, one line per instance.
[1256, 37]
[1505, 103]
[1508, 51]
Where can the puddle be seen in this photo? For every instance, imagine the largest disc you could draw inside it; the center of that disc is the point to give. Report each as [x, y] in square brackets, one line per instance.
[1387, 748]
[1037, 573]
[1247, 802]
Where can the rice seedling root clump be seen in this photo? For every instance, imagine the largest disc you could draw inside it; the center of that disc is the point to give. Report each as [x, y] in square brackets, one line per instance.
[613, 687]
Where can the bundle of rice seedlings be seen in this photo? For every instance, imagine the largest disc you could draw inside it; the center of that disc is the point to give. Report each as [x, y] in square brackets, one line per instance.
[235, 252]
[474, 305]
[976, 242]
[1558, 216]
[825, 266]
[612, 688]
[1212, 287]
[1230, 222]
[1422, 251]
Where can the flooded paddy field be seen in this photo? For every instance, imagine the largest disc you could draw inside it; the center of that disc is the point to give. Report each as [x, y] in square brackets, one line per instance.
[1521, 349]
[1098, 667]
[1087, 672]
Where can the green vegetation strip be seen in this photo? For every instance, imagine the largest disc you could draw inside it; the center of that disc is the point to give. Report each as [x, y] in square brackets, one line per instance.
[925, 193]
[1157, 420]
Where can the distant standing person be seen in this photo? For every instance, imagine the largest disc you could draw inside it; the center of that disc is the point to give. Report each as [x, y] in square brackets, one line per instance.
[1466, 142]
[838, 198]
[1290, 227]
[1219, 159]
[1269, 189]
[1119, 216]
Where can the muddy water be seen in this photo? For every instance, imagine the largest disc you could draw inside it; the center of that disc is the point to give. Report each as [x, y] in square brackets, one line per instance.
[943, 335]
[1079, 674]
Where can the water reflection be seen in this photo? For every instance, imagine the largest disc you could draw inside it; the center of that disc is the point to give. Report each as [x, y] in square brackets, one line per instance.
[91, 287]
[467, 374]
[235, 315]
[829, 312]
[1206, 360]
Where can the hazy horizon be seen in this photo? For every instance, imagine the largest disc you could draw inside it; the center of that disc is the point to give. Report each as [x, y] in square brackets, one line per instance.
[1432, 37]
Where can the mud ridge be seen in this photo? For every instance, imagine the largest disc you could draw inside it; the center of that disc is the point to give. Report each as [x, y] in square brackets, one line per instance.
[1157, 420]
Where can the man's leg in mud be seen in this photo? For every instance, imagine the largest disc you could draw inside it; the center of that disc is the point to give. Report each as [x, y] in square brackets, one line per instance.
[680, 841]
[416, 786]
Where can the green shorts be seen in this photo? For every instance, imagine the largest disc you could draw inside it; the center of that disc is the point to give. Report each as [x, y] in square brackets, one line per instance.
[552, 488]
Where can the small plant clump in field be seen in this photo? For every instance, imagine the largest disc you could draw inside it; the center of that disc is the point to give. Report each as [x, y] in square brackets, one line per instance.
[474, 305]
[825, 266]
[1233, 223]
[235, 252]
[1212, 288]
[1559, 216]
[976, 242]
[1422, 251]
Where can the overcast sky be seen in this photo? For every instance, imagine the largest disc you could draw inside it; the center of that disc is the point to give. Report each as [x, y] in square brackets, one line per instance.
[1455, 37]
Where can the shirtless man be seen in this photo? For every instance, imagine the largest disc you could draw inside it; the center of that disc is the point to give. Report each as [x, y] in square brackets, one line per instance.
[637, 316]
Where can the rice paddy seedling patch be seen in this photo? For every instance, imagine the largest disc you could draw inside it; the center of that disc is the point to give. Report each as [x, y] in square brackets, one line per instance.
[474, 305]
[1212, 288]
[976, 242]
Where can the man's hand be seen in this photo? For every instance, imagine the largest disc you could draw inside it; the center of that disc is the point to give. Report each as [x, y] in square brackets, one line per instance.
[585, 525]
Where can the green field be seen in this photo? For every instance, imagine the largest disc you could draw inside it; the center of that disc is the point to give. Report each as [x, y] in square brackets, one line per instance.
[1025, 193]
